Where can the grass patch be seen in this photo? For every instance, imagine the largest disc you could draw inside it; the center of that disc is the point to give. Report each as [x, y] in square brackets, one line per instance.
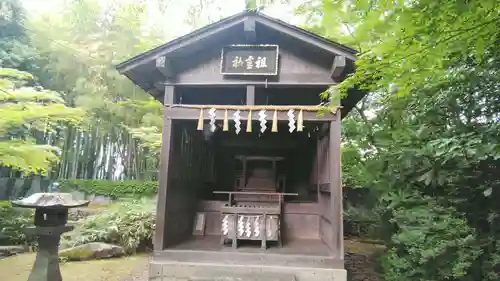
[18, 268]
[100, 206]
[362, 247]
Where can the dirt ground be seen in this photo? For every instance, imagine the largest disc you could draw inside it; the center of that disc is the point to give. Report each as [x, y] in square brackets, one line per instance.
[17, 268]
[135, 268]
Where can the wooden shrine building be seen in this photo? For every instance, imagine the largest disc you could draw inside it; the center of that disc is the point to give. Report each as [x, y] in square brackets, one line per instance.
[250, 177]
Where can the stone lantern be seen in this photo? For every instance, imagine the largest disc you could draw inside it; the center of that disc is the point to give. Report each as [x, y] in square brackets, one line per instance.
[51, 215]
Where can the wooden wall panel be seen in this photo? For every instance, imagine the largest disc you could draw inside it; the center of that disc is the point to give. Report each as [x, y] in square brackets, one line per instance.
[186, 175]
[301, 226]
[326, 219]
[326, 232]
[321, 165]
[293, 70]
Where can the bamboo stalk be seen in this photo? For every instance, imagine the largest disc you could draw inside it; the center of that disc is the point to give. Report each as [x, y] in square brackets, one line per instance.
[76, 154]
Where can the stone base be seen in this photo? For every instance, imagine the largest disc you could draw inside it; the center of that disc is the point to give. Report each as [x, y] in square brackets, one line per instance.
[187, 271]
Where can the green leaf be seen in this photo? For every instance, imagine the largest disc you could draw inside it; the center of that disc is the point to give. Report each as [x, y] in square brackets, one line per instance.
[487, 192]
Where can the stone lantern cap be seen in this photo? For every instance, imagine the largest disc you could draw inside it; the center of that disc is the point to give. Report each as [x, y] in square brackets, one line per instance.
[50, 200]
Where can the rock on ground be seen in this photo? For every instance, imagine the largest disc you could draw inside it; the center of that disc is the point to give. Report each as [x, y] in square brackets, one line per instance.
[92, 251]
[6, 251]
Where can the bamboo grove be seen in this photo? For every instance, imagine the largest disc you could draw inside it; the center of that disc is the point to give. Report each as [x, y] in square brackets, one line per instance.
[72, 50]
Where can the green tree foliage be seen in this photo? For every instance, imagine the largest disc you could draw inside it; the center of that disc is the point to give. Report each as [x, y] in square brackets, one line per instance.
[431, 151]
[15, 51]
[445, 145]
[81, 45]
[261, 4]
[409, 44]
[25, 112]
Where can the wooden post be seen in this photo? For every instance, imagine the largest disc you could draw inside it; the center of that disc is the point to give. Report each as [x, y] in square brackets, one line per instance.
[274, 174]
[336, 187]
[160, 237]
[263, 232]
[244, 183]
[318, 193]
[234, 243]
[250, 94]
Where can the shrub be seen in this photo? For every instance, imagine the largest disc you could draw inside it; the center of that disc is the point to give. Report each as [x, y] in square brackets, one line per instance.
[361, 213]
[13, 222]
[112, 189]
[429, 242]
[361, 221]
[128, 224]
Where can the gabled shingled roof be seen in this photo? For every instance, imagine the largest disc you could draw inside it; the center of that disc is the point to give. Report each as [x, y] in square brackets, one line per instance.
[141, 69]
[220, 26]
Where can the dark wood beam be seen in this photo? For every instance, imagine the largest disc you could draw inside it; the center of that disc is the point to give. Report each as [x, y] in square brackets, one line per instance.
[260, 143]
[249, 29]
[164, 66]
[194, 113]
[336, 188]
[284, 78]
[160, 239]
[255, 83]
[338, 67]
[250, 94]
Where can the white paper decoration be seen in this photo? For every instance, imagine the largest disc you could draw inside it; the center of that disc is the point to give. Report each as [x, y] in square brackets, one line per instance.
[263, 121]
[256, 223]
[225, 225]
[211, 115]
[241, 226]
[291, 120]
[237, 122]
[248, 227]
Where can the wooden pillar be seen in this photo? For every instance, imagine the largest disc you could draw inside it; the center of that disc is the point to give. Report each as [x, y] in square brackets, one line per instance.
[336, 187]
[244, 183]
[318, 193]
[160, 238]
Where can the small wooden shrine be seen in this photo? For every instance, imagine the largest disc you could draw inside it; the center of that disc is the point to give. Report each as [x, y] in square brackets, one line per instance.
[250, 177]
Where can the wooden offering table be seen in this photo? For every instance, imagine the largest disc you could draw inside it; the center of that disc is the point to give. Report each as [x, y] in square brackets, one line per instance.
[253, 211]
[252, 221]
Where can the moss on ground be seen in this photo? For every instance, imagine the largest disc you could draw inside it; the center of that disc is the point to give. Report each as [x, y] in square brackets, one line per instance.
[17, 268]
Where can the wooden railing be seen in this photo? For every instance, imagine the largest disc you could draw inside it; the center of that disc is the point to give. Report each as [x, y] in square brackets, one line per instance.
[279, 194]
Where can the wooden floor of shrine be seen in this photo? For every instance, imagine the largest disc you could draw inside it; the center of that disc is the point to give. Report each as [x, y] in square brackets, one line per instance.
[290, 247]
[207, 249]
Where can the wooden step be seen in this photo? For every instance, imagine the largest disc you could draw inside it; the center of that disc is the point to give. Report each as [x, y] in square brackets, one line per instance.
[191, 271]
[251, 259]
